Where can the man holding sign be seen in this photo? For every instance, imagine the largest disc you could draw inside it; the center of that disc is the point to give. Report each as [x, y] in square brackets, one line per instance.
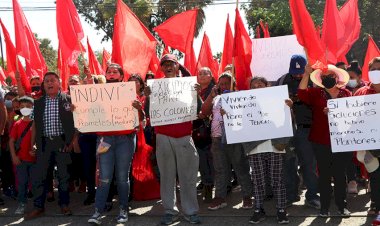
[175, 150]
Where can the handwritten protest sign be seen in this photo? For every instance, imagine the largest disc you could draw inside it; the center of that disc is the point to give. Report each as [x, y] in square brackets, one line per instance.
[104, 107]
[257, 114]
[173, 100]
[271, 56]
[354, 123]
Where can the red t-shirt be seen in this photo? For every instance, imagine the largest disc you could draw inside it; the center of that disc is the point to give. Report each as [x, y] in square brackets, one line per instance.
[365, 90]
[175, 130]
[317, 98]
[25, 148]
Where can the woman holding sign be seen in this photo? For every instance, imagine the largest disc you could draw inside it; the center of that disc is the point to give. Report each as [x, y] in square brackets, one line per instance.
[115, 151]
[371, 159]
[330, 82]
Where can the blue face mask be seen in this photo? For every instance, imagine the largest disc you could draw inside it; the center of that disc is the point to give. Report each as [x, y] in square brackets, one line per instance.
[8, 104]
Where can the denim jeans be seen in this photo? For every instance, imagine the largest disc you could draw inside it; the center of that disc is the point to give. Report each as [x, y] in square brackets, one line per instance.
[23, 173]
[223, 156]
[119, 158]
[307, 162]
[206, 166]
[291, 178]
[87, 143]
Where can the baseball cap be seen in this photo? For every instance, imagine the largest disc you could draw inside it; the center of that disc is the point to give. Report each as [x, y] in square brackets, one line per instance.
[168, 57]
[297, 65]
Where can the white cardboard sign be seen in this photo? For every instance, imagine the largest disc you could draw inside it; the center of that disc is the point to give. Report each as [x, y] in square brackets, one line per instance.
[104, 107]
[257, 114]
[173, 100]
[271, 56]
[354, 123]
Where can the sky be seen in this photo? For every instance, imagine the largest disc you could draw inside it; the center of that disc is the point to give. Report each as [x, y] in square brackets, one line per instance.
[43, 23]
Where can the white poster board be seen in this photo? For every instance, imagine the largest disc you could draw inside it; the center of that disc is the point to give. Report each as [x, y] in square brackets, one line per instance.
[271, 56]
[104, 107]
[172, 101]
[354, 123]
[257, 114]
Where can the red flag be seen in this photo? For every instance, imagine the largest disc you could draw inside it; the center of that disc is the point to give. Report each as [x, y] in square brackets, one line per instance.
[257, 32]
[69, 30]
[267, 34]
[303, 27]
[178, 33]
[227, 48]
[132, 44]
[93, 63]
[332, 31]
[62, 68]
[166, 50]
[2, 75]
[349, 13]
[27, 45]
[206, 59]
[242, 53]
[372, 52]
[12, 59]
[106, 59]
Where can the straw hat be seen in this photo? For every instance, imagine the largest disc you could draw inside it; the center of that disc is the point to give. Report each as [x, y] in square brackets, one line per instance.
[343, 76]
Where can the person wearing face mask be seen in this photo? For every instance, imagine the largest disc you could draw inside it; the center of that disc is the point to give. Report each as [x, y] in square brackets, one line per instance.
[355, 81]
[330, 82]
[35, 86]
[371, 158]
[7, 176]
[23, 157]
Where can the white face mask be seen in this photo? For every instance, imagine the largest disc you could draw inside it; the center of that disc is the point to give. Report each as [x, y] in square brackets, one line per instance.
[26, 111]
[374, 77]
[352, 83]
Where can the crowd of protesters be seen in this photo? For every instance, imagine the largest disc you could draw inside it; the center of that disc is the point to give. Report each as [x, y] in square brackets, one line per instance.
[39, 140]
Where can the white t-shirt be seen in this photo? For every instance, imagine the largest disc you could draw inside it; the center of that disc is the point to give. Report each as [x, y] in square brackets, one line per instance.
[265, 147]
[217, 118]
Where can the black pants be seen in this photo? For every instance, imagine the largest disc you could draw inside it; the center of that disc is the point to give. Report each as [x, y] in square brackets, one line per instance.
[331, 165]
[87, 143]
[374, 178]
[46, 157]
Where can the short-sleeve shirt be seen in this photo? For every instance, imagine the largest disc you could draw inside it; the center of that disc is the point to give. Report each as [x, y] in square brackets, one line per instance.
[25, 146]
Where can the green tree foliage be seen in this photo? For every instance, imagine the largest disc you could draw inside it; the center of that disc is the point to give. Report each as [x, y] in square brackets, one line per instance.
[277, 14]
[101, 13]
[48, 53]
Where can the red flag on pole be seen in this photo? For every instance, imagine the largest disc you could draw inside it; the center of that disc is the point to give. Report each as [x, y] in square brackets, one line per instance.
[332, 31]
[227, 48]
[12, 60]
[206, 59]
[27, 45]
[372, 52]
[242, 53]
[62, 68]
[303, 27]
[2, 76]
[132, 44]
[178, 33]
[93, 63]
[349, 14]
[106, 59]
[69, 29]
[267, 34]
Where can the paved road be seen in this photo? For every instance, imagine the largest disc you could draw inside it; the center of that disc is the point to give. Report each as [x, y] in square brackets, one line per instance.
[148, 213]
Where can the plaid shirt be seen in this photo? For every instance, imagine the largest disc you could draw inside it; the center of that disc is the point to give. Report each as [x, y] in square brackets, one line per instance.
[52, 122]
